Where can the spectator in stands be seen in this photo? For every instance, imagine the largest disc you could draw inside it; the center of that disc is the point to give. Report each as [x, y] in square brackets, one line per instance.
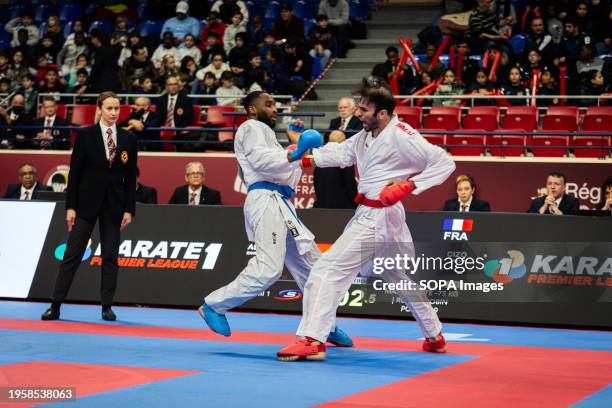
[28, 186]
[5, 85]
[120, 35]
[166, 47]
[269, 44]
[195, 192]
[229, 37]
[213, 45]
[217, 67]
[605, 201]
[466, 201]
[533, 62]
[514, 86]
[48, 50]
[134, 40]
[24, 22]
[591, 84]
[321, 39]
[140, 119]
[601, 16]
[337, 11]
[52, 82]
[174, 108]
[346, 122]
[6, 71]
[256, 33]
[298, 62]
[148, 86]
[387, 69]
[256, 75]
[77, 27]
[583, 17]
[104, 74]
[168, 68]
[430, 51]
[279, 73]
[448, 87]
[571, 43]
[239, 58]
[227, 8]
[28, 51]
[469, 67]
[144, 194]
[556, 202]
[483, 28]
[540, 40]
[482, 86]
[135, 68]
[19, 68]
[288, 28]
[548, 87]
[67, 57]
[335, 187]
[29, 93]
[228, 94]
[15, 115]
[80, 79]
[181, 24]
[587, 61]
[189, 68]
[214, 25]
[209, 86]
[55, 30]
[188, 48]
[57, 139]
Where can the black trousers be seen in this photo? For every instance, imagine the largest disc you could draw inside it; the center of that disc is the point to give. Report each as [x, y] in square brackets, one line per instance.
[75, 248]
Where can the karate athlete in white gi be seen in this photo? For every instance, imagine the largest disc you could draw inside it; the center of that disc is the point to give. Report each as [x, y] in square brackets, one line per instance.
[393, 160]
[270, 218]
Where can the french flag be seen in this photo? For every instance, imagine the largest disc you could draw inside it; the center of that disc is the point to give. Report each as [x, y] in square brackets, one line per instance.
[458, 225]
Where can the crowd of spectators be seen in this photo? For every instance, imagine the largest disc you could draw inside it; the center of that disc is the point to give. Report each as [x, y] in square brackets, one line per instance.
[544, 36]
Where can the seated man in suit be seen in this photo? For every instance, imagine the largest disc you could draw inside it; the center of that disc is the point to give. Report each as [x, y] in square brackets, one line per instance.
[175, 109]
[346, 122]
[144, 194]
[141, 118]
[556, 202]
[16, 115]
[58, 139]
[195, 192]
[335, 187]
[465, 201]
[28, 185]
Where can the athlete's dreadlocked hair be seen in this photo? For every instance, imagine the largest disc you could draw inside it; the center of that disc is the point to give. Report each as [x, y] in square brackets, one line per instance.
[376, 91]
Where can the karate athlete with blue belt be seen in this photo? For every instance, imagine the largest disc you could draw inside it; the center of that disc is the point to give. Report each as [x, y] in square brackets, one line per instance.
[271, 174]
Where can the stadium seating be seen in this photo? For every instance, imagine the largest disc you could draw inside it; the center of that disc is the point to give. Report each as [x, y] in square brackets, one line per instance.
[598, 118]
[151, 27]
[106, 26]
[471, 145]
[83, 115]
[551, 146]
[124, 112]
[596, 146]
[443, 117]
[561, 118]
[70, 12]
[482, 117]
[502, 145]
[412, 115]
[521, 117]
[214, 115]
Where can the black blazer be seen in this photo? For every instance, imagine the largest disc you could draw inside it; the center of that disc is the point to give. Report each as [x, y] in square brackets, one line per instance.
[104, 74]
[56, 133]
[335, 187]
[152, 121]
[14, 191]
[354, 124]
[92, 183]
[475, 205]
[183, 110]
[568, 205]
[145, 194]
[208, 196]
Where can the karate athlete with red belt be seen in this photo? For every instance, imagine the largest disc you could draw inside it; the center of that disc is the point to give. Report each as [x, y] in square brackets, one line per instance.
[387, 152]
[271, 175]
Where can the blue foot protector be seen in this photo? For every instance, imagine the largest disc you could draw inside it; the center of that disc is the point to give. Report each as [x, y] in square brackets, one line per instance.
[339, 338]
[217, 322]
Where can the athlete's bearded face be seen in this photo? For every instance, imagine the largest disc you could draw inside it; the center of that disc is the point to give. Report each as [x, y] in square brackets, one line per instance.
[265, 109]
[366, 113]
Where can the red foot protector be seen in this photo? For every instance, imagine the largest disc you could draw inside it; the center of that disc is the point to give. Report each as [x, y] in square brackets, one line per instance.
[303, 350]
[435, 345]
[88, 379]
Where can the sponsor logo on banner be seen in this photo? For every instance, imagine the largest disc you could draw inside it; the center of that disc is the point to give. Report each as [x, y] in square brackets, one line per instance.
[288, 294]
[551, 270]
[456, 229]
[154, 255]
[57, 177]
[505, 270]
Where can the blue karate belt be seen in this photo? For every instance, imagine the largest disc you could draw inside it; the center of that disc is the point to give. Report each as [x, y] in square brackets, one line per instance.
[285, 191]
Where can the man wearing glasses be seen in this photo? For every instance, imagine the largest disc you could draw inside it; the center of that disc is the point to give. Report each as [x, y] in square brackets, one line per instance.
[28, 186]
[195, 192]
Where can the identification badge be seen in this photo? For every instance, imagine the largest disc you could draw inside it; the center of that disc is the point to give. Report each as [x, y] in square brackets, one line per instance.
[124, 157]
[179, 111]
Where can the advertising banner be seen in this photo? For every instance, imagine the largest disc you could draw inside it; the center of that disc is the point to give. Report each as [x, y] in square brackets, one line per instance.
[508, 184]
